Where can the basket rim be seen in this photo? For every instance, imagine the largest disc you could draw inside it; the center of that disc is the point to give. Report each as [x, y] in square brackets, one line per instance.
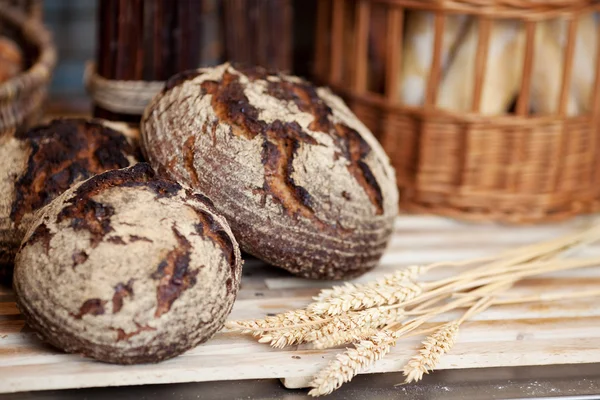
[497, 9]
[39, 73]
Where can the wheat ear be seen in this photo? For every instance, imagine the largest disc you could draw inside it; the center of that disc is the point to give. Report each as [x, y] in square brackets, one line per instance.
[442, 340]
[286, 319]
[347, 365]
[376, 317]
[367, 297]
[429, 356]
[391, 280]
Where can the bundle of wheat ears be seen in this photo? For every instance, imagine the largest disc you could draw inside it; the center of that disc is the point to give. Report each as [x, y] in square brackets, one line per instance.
[373, 316]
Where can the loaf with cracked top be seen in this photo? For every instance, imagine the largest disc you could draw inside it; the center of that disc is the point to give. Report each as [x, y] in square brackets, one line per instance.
[302, 182]
[127, 268]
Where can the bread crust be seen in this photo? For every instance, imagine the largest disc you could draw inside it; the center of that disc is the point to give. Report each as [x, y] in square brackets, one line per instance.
[302, 182]
[40, 164]
[127, 268]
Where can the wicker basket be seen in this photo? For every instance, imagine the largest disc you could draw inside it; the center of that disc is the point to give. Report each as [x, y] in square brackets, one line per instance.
[513, 167]
[21, 97]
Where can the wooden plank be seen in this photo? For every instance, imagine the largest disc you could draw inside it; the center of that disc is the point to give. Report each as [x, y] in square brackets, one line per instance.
[508, 335]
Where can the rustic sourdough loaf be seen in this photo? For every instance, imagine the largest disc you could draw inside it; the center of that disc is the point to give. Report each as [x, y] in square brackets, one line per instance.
[127, 268]
[43, 162]
[302, 182]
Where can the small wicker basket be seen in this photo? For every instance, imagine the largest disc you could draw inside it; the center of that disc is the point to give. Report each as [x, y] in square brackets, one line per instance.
[21, 97]
[516, 166]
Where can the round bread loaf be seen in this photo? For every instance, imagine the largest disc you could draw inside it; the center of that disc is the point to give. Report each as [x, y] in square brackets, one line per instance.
[127, 268]
[42, 163]
[302, 182]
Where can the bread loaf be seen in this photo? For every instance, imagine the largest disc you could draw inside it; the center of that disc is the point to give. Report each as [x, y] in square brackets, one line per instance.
[417, 56]
[503, 70]
[127, 268]
[551, 39]
[302, 182]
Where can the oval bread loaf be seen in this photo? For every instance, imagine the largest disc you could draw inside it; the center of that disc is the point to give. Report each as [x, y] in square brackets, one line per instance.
[302, 182]
[127, 268]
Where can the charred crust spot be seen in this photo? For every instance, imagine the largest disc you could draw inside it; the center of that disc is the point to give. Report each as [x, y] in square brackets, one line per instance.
[43, 235]
[180, 78]
[189, 150]
[122, 290]
[136, 238]
[174, 275]
[355, 150]
[139, 175]
[92, 307]
[79, 258]
[201, 198]
[85, 213]
[209, 228]
[161, 187]
[121, 335]
[90, 215]
[233, 107]
[62, 153]
[278, 155]
[116, 240]
[306, 98]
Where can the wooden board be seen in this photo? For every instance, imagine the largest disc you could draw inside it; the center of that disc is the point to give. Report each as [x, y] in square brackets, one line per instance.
[533, 334]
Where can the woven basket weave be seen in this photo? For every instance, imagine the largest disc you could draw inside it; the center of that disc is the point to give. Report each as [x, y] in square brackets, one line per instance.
[21, 97]
[515, 167]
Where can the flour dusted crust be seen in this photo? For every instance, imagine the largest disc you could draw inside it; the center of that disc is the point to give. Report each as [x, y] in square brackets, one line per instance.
[302, 182]
[42, 163]
[127, 268]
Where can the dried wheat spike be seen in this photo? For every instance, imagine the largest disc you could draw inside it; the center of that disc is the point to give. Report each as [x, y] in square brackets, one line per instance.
[281, 338]
[288, 318]
[434, 347]
[375, 317]
[344, 337]
[367, 297]
[394, 279]
[348, 364]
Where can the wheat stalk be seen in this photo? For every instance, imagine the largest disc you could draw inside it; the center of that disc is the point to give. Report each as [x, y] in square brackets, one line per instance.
[344, 337]
[364, 313]
[347, 365]
[286, 319]
[366, 298]
[429, 356]
[376, 317]
[442, 340]
[391, 280]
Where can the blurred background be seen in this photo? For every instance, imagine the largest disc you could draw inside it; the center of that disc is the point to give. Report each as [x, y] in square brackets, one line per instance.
[74, 26]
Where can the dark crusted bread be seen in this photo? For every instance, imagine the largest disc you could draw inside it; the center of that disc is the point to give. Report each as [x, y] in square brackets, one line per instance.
[127, 268]
[302, 182]
[42, 163]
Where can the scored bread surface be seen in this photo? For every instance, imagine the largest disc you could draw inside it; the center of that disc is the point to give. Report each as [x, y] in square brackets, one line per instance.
[302, 182]
[127, 268]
